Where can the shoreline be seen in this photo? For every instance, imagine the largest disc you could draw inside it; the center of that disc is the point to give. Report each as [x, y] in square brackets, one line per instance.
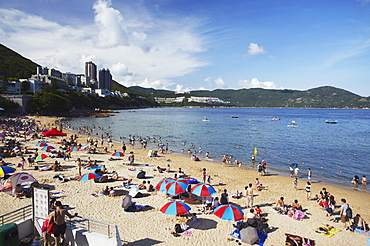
[154, 226]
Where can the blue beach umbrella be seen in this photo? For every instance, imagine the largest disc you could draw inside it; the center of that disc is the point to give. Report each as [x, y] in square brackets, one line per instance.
[5, 170]
[48, 148]
[118, 154]
[161, 185]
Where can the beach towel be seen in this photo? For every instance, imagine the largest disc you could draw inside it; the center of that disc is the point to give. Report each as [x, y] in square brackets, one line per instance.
[327, 230]
[362, 231]
[298, 241]
[261, 238]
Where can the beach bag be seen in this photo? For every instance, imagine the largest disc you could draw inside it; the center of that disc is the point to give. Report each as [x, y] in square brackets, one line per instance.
[141, 175]
[298, 215]
[349, 212]
[45, 225]
[178, 228]
[52, 228]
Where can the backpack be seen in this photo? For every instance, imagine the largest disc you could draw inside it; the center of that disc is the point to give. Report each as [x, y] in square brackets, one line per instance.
[349, 212]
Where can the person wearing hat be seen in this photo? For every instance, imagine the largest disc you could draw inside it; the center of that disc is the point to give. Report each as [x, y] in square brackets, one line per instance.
[58, 216]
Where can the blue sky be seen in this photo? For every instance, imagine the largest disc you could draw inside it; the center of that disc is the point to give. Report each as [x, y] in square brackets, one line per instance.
[187, 45]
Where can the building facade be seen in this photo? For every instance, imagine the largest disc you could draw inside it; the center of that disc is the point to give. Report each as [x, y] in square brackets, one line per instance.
[105, 79]
[91, 70]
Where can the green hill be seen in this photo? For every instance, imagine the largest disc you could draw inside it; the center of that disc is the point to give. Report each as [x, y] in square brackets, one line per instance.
[13, 66]
[321, 97]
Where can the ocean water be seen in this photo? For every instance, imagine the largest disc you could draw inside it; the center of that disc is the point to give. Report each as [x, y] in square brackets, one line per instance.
[334, 152]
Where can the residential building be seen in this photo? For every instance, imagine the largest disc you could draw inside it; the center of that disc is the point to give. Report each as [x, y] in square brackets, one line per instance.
[42, 70]
[91, 70]
[105, 79]
[71, 78]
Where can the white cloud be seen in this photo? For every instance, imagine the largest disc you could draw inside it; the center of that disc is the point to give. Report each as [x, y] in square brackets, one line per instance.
[220, 83]
[137, 48]
[181, 89]
[255, 83]
[254, 49]
[272, 57]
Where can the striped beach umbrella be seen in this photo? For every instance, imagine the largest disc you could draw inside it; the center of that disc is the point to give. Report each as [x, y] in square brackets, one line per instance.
[175, 208]
[89, 176]
[229, 212]
[161, 186]
[74, 149]
[118, 154]
[41, 157]
[177, 187]
[203, 190]
[42, 144]
[2, 135]
[48, 148]
[5, 170]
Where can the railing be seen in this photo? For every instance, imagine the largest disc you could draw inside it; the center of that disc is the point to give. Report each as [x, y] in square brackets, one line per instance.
[91, 225]
[17, 215]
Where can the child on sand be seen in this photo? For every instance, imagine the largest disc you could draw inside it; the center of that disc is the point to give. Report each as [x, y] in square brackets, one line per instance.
[295, 183]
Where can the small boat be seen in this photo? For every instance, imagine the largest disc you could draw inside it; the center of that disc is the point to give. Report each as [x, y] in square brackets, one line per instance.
[331, 122]
[234, 116]
[205, 118]
[276, 118]
[293, 124]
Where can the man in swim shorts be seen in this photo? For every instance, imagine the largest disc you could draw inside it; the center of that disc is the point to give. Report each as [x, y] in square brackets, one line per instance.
[249, 195]
[58, 217]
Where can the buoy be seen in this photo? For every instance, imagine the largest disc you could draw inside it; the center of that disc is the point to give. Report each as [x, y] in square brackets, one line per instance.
[288, 160]
[340, 172]
[340, 154]
[308, 153]
[323, 153]
[292, 153]
[281, 153]
[354, 155]
[322, 167]
[302, 163]
[274, 157]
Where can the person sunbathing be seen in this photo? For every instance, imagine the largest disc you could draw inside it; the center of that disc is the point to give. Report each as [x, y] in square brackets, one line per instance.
[128, 182]
[142, 186]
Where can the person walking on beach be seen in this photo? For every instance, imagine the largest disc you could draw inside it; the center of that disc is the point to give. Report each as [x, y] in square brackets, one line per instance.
[249, 195]
[124, 147]
[309, 174]
[344, 216]
[79, 166]
[295, 183]
[58, 216]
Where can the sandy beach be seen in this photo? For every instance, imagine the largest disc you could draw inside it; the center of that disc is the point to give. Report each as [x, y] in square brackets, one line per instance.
[151, 227]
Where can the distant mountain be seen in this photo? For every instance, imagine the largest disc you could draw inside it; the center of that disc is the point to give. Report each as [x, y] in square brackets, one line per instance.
[15, 66]
[148, 91]
[321, 97]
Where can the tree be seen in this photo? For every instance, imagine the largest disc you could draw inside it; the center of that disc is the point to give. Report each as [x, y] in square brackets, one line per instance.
[25, 86]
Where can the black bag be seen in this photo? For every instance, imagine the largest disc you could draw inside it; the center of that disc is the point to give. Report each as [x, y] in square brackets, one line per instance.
[141, 175]
[178, 228]
[349, 212]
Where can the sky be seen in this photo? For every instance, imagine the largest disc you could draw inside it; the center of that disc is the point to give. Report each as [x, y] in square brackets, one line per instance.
[183, 45]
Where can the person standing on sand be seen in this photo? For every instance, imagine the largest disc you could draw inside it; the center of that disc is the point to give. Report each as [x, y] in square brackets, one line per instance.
[295, 183]
[131, 158]
[309, 174]
[79, 166]
[124, 147]
[343, 214]
[58, 216]
[308, 190]
[204, 174]
[249, 195]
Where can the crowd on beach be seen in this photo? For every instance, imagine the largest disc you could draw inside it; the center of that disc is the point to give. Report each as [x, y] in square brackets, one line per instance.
[256, 215]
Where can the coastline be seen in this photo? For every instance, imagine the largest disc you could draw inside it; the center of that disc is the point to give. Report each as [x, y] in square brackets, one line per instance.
[210, 229]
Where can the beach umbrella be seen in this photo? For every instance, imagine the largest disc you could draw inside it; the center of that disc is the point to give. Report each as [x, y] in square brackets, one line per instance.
[177, 187]
[249, 235]
[2, 135]
[42, 144]
[229, 212]
[74, 149]
[53, 132]
[48, 148]
[5, 169]
[203, 190]
[41, 157]
[161, 186]
[175, 208]
[89, 176]
[118, 154]
[294, 165]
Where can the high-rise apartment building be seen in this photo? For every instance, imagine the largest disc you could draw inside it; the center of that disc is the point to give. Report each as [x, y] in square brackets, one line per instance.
[91, 70]
[105, 79]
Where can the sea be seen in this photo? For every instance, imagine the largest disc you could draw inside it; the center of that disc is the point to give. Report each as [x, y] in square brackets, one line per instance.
[334, 152]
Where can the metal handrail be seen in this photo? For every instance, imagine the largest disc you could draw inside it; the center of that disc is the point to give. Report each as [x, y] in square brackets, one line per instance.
[92, 225]
[16, 215]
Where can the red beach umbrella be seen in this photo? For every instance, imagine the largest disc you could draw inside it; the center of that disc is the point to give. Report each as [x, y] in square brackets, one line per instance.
[88, 176]
[229, 212]
[161, 186]
[177, 187]
[203, 190]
